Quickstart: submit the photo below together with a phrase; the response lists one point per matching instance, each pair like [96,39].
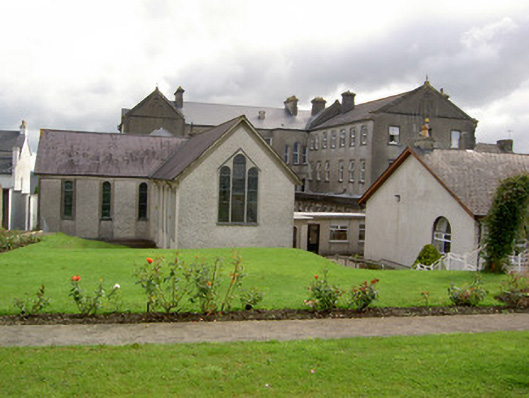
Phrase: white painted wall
[397,230]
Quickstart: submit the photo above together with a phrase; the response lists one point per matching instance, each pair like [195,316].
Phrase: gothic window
[142,201]
[238,192]
[67,199]
[352,136]
[106,200]
[442,235]
[342,138]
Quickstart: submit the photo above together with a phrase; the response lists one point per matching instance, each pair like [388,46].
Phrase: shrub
[428,255]
[515,291]
[87,304]
[468,295]
[250,298]
[33,305]
[323,296]
[165,283]
[364,294]
[10,240]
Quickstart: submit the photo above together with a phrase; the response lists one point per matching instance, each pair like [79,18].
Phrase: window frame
[338,233]
[327,171]
[295,153]
[64,196]
[452,139]
[363,135]
[286,155]
[362,177]
[324,141]
[340,171]
[393,135]
[352,137]
[361,232]
[341,141]
[106,201]
[318,171]
[143,201]
[442,239]
[351,171]
[333,139]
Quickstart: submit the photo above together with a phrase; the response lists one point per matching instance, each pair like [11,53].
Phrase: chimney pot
[179,97]
[291,105]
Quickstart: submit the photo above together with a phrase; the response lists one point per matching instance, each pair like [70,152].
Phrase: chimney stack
[23,128]
[505,145]
[348,101]
[179,97]
[261,115]
[291,105]
[318,104]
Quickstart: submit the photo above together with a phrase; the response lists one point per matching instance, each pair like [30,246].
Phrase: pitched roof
[102,154]
[9,139]
[186,154]
[471,177]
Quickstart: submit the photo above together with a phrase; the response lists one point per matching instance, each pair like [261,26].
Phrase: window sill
[143,219]
[105,219]
[393,143]
[237,224]
[338,241]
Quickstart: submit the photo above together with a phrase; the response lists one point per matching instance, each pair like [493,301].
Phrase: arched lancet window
[442,235]
[238,192]
[142,200]
[106,200]
[67,199]
[224,194]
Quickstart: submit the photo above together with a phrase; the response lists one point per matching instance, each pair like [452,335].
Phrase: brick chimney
[179,97]
[348,101]
[291,105]
[318,104]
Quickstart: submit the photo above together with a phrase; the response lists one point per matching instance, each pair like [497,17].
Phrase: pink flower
[312,371]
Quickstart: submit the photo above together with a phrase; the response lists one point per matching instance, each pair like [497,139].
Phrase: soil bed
[286,314]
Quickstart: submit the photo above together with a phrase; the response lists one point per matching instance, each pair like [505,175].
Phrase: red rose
[76,278]
[315,276]
[149,260]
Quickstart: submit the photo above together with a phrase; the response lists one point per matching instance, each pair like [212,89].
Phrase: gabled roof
[471,177]
[101,154]
[197,147]
[10,139]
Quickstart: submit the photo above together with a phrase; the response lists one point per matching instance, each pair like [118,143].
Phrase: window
[142,201]
[352,136]
[106,200]
[340,171]
[318,171]
[311,170]
[362,178]
[442,235]
[394,135]
[295,153]
[361,232]
[286,156]
[316,142]
[455,137]
[324,141]
[363,135]
[342,138]
[238,192]
[327,171]
[67,199]
[351,171]
[311,143]
[304,154]
[338,233]
[333,139]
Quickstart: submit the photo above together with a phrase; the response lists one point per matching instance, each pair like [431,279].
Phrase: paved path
[169,333]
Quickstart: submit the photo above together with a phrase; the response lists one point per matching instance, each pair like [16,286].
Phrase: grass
[283,274]
[465,365]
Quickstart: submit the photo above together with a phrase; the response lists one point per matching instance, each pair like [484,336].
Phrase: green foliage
[90,304]
[468,295]
[251,297]
[505,220]
[164,283]
[428,255]
[10,240]
[515,291]
[33,305]
[364,294]
[323,296]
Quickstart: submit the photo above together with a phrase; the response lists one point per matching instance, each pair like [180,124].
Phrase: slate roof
[102,154]
[186,154]
[8,140]
[471,177]
[474,176]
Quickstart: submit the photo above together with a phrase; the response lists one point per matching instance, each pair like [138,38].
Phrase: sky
[74,65]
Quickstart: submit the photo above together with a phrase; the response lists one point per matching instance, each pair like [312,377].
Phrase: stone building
[222,188]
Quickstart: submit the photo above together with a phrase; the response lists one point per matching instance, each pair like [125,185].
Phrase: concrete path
[170,333]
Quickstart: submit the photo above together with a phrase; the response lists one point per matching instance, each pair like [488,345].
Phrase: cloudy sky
[75,64]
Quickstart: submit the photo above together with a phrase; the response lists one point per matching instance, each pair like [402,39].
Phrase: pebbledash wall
[393,231]
[195,196]
[86,221]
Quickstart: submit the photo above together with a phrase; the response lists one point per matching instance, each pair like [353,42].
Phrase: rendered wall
[396,230]
[196,201]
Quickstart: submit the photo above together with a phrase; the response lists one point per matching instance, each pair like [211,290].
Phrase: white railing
[472,261]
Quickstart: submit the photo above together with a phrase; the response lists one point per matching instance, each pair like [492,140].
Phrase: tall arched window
[142,201]
[442,235]
[106,200]
[67,199]
[238,192]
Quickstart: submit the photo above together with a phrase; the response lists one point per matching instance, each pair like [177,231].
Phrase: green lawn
[283,274]
[469,365]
